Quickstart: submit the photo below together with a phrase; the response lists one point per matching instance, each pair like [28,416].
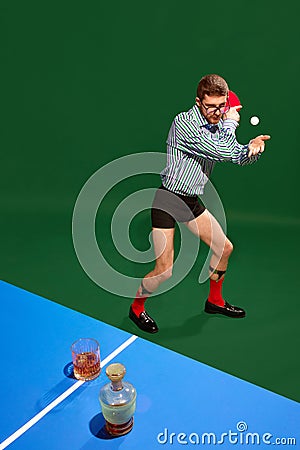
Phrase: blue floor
[180,402]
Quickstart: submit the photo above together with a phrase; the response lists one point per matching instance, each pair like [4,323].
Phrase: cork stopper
[115,373]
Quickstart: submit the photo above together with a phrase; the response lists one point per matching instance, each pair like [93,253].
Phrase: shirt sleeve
[189,137]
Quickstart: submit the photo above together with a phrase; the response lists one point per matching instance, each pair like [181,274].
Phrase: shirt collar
[201,119]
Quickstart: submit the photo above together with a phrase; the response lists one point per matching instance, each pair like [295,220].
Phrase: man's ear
[198,103]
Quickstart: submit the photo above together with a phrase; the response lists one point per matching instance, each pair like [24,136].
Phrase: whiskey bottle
[118,401]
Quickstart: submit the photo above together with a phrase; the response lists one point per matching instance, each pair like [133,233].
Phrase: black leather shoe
[144,321]
[226,310]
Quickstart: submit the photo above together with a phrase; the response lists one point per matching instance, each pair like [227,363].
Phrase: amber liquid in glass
[86,366]
[119,430]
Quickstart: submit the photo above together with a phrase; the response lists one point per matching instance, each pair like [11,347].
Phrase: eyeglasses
[213,109]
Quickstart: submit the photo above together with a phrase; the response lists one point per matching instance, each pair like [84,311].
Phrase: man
[197,140]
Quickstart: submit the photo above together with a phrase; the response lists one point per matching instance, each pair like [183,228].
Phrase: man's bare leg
[163,241]
[207,228]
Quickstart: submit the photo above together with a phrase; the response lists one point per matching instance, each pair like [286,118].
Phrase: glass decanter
[118,401]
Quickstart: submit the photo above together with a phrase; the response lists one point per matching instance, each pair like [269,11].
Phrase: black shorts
[168,207]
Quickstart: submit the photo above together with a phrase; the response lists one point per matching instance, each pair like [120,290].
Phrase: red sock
[215,293]
[138,303]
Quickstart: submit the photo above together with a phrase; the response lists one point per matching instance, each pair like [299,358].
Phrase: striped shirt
[193,150]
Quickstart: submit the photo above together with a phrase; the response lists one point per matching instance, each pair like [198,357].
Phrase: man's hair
[212,85]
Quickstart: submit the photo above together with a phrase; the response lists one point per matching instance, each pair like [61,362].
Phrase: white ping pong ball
[254,120]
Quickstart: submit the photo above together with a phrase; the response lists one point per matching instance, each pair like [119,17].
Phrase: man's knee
[164,272]
[228,248]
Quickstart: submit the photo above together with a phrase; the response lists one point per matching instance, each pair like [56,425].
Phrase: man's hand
[257,145]
[233,113]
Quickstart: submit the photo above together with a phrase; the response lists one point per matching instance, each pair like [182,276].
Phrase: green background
[85,83]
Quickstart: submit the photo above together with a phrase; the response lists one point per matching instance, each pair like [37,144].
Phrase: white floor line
[61,398]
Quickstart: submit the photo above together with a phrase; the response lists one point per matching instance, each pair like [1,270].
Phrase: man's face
[208,107]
